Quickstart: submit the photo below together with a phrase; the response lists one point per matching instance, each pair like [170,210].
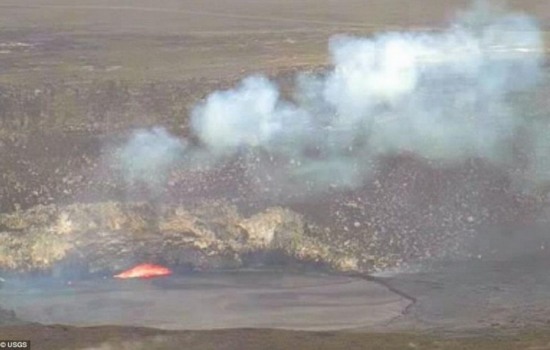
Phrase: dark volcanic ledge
[111,236]
[8,318]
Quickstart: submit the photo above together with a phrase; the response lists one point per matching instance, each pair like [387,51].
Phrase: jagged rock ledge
[8,318]
[111,236]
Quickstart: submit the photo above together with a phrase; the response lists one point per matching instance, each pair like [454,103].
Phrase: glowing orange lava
[145,271]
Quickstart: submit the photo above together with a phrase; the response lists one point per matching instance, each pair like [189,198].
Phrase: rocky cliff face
[110,236]
[408,214]
[8,318]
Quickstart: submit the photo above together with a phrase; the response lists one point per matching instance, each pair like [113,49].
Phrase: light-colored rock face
[275,226]
[352,232]
[110,235]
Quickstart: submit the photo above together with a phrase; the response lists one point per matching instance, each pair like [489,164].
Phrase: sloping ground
[374,228]
[8,318]
[111,236]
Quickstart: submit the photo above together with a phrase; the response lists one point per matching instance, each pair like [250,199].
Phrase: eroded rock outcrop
[8,318]
[109,236]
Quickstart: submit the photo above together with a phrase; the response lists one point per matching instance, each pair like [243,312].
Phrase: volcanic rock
[8,318]
[111,236]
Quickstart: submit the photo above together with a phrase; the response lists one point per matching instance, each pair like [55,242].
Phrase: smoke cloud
[445,96]
[149,155]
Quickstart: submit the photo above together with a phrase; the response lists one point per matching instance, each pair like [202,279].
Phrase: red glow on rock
[145,271]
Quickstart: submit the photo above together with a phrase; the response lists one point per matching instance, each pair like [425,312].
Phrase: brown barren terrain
[77,75]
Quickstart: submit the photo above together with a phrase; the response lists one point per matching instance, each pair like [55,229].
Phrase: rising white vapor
[444,96]
[148,156]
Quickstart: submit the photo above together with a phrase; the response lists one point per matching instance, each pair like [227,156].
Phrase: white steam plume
[444,96]
[148,156]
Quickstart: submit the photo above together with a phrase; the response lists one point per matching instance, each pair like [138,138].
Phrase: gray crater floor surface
[250,299]
[453,297]
[465,296]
